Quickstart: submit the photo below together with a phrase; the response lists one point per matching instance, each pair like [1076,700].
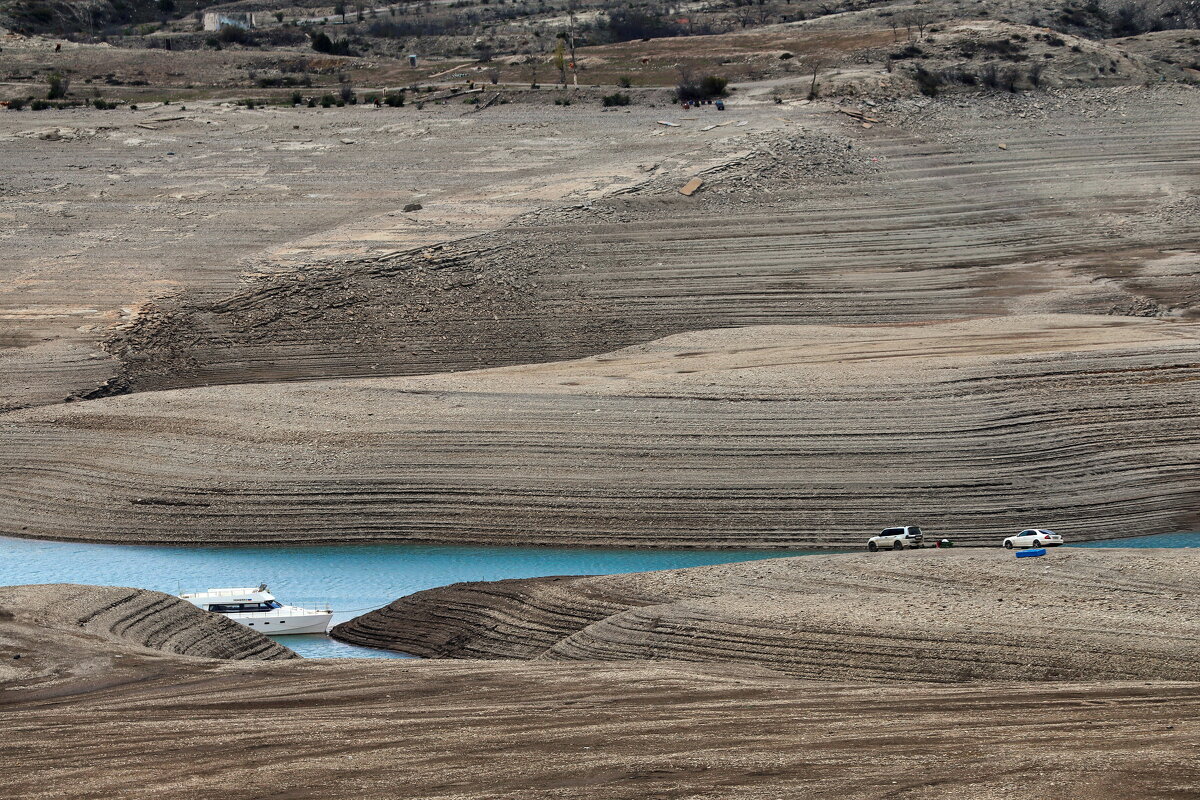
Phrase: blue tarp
[1040,551]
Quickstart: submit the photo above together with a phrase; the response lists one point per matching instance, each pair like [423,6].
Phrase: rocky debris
[778,161]
[947,616]
[1010,57]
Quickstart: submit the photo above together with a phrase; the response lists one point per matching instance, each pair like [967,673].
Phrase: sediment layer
[60,638]
[1088,208]
[941,615]
[478,731]
[753,437]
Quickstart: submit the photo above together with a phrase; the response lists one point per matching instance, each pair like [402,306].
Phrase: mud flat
[941,615]
[750,437]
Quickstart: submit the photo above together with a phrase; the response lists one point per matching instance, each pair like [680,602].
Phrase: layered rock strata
[754,437]
[944,615]
[64,638]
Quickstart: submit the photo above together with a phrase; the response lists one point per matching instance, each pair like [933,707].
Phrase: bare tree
[815,63]
[571,42]
[915,19]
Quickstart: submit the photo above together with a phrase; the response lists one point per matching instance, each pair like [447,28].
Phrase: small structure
[412,59]
[215,20]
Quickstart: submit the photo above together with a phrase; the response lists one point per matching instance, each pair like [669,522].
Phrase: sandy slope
[90,712]
[453,731]
[742,437]
[943,615]
[105,212]
[59,639]
[1089,208]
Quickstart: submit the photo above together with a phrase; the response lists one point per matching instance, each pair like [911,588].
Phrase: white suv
[1034,537]
[896,539]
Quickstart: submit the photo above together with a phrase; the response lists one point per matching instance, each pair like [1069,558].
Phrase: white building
[215,20]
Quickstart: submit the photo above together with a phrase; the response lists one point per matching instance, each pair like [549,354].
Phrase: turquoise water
[351,578]
[1158,540]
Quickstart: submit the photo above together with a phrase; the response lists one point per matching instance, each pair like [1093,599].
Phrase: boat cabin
[234,601]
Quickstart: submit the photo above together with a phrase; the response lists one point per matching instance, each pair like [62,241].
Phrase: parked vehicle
[909,536]
[1033,537]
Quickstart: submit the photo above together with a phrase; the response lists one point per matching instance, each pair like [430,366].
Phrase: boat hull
[284,626]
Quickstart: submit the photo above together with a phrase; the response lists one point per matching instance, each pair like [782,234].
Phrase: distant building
[215,20]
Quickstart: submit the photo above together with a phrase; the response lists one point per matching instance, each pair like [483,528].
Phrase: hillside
[776,436]
[944,616]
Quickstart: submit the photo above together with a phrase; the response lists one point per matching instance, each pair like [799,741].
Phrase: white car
[1034,537]
[896,539]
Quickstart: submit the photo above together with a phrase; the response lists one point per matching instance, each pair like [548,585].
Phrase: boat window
[234,608]
[275,604]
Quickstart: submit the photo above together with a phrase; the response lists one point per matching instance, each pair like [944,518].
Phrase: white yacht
[258,609]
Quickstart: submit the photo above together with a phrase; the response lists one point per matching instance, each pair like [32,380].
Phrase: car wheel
[872,546]
[1008,545]
[897,545]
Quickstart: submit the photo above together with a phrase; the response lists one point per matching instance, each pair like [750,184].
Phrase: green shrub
[394,99]
[706,88]
[323,44]
[928,82]
[327,100]
[16,104]
[58,87]
[624,81]
[616,99]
